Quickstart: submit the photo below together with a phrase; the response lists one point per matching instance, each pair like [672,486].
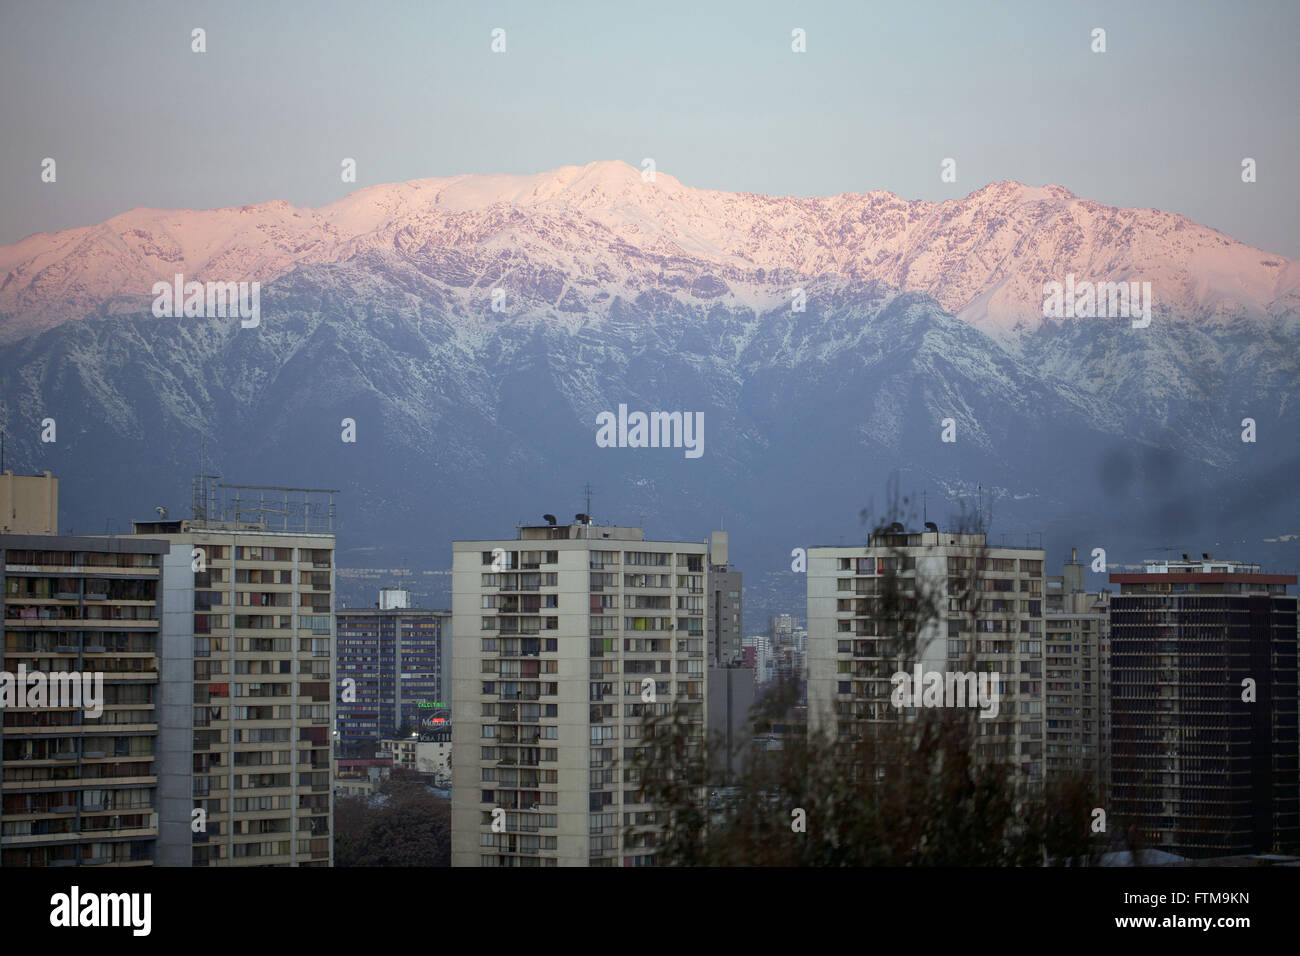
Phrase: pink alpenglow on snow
[602,227]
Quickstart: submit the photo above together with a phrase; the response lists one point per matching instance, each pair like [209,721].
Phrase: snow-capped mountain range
[607,230]
[378,308]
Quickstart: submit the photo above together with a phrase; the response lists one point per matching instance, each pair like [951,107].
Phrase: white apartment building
[248,693]
[557,637]
[763,664]
[1076,677]
[849,667]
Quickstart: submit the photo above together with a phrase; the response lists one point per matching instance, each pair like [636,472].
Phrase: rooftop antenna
[587,491]
[202,502]
[925,516]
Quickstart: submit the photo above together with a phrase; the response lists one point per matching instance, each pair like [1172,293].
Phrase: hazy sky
[711,91]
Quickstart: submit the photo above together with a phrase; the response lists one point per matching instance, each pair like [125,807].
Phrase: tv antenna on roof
[586,515]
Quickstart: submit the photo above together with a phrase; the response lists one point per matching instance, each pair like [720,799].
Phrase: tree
[403,825]
[897,789]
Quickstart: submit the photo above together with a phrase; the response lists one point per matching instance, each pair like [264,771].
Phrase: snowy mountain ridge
[606,232]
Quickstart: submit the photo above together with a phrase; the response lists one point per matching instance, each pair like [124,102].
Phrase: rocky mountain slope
[378,308]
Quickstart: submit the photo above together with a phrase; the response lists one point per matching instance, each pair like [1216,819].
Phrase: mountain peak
[604,225]
[1010,189]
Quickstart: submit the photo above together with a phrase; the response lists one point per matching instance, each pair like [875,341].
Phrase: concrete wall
[730,697]
[29,504]
[175,708]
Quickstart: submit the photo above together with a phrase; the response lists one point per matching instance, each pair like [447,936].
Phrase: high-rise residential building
[788,647]
[758,655]
[395,657]
[726,604]
[566,639]
[850,663]
[1077,658]
[248,682]
[1204,746]
[731,683]
[789,663]
[80,778]
[780,629]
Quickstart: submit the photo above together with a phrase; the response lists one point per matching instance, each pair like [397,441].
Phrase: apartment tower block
[565,640]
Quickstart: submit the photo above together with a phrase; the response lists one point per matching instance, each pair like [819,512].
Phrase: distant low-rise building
[361,778]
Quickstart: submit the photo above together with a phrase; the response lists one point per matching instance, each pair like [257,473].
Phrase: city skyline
[684,436]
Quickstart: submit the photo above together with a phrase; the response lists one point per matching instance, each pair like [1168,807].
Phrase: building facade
[758,655]
[396,658]
[79,779]
[1077,649]
[987,612]
[248,678]
[1205,754]
[726,606]
[566,640]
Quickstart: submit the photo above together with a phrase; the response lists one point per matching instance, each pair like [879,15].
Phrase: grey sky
[711,91]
